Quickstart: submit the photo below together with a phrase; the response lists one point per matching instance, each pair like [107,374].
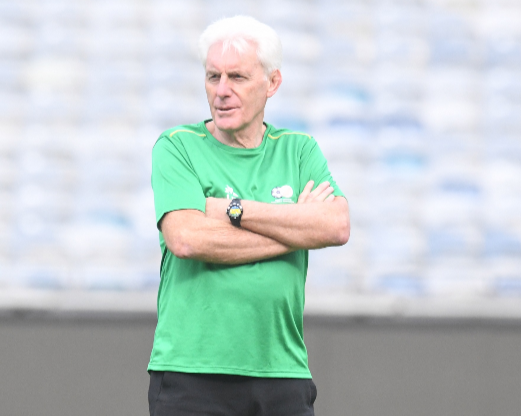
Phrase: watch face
[235,212]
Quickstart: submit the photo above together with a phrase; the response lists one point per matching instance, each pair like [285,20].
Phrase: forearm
[318,220]
[216,241]
[301,226]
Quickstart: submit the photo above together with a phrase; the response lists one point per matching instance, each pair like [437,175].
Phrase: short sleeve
[313,166]
[175,184]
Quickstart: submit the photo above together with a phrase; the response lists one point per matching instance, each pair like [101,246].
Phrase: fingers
[319,189]
[320,194]
[330,198]
[305,193]
[326,193]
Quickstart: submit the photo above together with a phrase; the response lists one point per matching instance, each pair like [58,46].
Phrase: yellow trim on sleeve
[282,134]
[186,131]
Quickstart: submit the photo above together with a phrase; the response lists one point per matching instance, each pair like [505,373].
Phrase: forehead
[230,59]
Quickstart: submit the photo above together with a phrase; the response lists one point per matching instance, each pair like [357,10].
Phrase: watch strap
[234,212]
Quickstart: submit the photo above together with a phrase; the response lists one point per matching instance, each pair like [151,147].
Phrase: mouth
[225,109]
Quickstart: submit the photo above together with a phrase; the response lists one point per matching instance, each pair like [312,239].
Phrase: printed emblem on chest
[229,192]
[282,195]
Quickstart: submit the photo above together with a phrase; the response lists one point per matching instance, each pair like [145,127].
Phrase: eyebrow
[230,74]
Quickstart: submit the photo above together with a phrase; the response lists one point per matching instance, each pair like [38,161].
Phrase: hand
[216,208]
[322,193]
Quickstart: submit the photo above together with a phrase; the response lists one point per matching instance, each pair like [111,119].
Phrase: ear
[274,81]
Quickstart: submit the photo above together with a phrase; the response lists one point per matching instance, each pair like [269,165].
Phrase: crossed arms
[318,220]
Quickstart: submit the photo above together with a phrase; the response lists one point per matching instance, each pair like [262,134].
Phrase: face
[237,87]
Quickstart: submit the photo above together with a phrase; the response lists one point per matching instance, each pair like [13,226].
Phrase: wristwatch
[234,212]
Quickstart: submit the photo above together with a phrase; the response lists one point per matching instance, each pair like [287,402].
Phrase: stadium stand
[415,104]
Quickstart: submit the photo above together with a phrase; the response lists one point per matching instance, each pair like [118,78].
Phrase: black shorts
[186,394]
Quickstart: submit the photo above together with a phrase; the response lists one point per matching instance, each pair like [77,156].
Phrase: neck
[248,137]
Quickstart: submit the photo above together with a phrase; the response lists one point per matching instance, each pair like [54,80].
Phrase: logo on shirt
[229,192]
[282,194]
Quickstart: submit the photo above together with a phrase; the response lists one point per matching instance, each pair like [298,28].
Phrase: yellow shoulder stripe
[282,134]
[186,131]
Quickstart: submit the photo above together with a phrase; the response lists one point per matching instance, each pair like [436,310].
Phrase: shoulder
[183,131]
[291,140]
[176,137]
[287,134]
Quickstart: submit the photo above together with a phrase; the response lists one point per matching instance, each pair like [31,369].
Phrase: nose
[223,89]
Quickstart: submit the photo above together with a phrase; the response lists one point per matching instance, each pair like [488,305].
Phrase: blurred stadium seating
[417,106]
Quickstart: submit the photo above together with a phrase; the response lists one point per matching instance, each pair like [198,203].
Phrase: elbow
[344,238]
[181,250]
[342,223]
[180,246]
[342,234]
[342,231]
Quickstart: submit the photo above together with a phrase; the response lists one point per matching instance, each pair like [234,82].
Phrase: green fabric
[246,319]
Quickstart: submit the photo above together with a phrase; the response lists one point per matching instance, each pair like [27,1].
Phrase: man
[237,209]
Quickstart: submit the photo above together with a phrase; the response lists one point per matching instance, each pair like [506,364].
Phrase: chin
[227,124]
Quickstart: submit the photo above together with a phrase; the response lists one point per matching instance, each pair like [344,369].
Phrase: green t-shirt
[238,319]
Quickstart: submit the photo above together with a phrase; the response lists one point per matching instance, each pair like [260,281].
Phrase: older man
[237,209]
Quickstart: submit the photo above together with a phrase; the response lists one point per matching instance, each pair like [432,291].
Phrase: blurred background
[415,103]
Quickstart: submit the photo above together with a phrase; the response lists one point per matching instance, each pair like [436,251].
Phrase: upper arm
[313,166]
[174,181]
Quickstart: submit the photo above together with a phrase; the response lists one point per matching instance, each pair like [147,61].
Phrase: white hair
[236,32]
